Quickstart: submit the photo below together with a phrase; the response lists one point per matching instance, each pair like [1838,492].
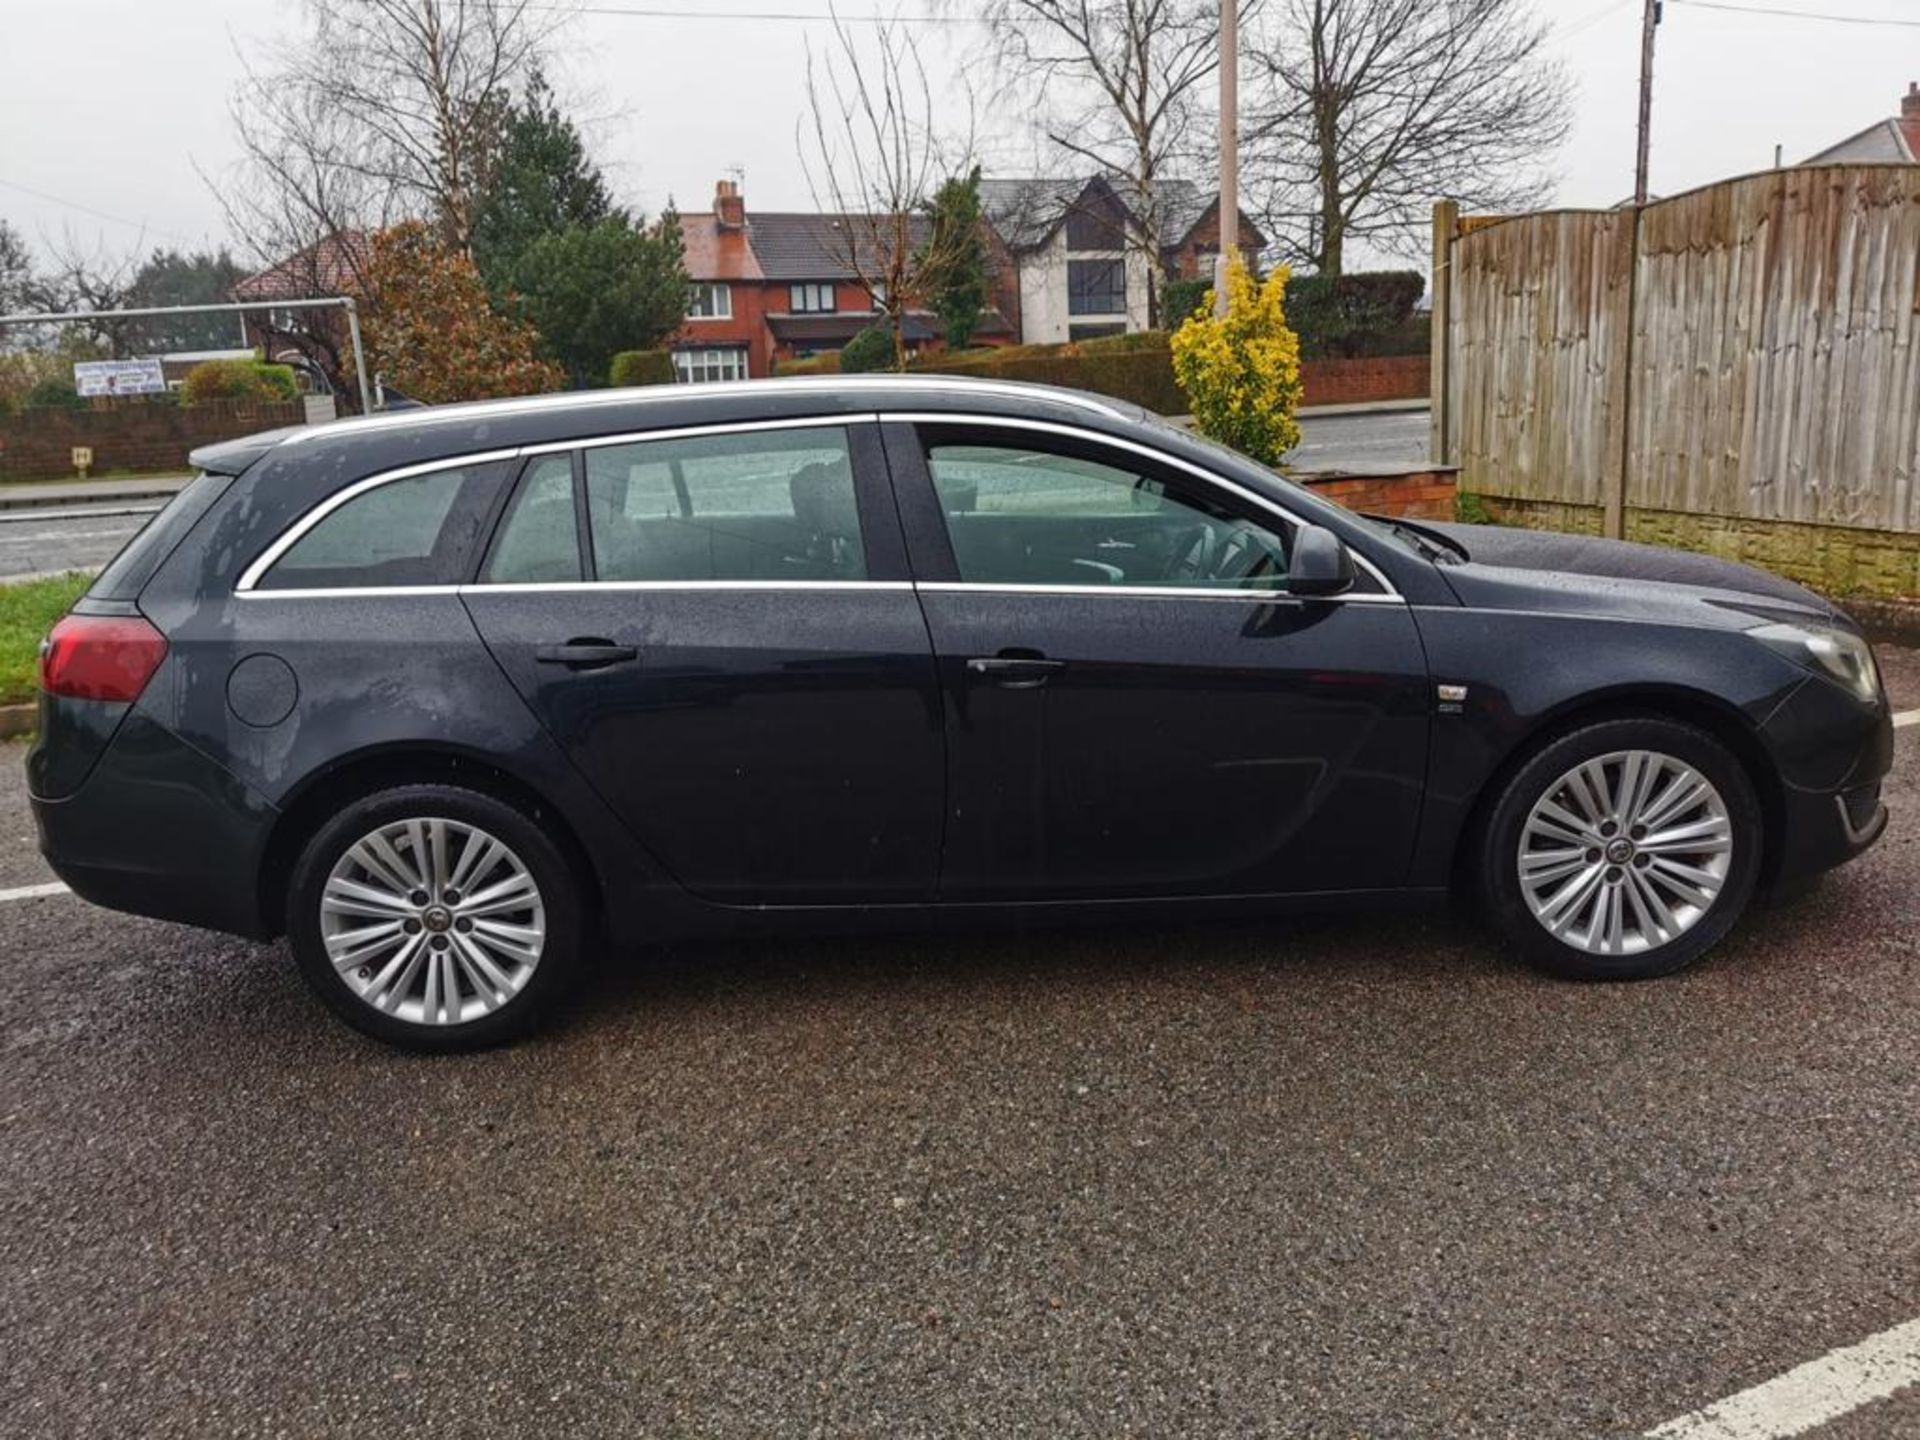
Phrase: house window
[695,366]
[709,301]
[811,299]
[1096,331]
[1096,287]
[878,293]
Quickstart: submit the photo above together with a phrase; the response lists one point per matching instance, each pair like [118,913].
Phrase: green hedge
[825,363]
[1347,316]
[1128,367]
[640,367]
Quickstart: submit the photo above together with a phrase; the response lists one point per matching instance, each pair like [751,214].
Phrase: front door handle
[585,654]
[1015,672]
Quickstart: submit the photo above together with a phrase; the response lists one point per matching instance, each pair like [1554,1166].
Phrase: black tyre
[435,918]
[1621,851]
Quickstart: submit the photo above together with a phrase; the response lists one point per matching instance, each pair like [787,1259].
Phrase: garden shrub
[1241,371]
[640,367]
[55,393]
[1180,298]
[248,380]
[870,350]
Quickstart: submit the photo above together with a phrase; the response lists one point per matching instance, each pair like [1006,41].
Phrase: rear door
[1136,707]
[719,629]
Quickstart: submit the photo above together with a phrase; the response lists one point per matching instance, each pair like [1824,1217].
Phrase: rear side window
[129,571]
[755,505]
[539,543]
[416,531]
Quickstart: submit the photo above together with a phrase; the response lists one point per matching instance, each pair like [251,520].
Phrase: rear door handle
[1015,672]
[585,654]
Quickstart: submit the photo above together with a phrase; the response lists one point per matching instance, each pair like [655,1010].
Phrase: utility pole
[1649,23]
[1229,151]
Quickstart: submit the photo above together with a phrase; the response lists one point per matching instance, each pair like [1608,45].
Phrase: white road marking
[1904,718]
[34,892]
[1809,1395]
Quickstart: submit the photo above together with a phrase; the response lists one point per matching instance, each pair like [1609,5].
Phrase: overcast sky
[108,106]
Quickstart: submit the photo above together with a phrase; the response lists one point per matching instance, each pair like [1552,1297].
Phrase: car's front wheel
[434,917]
[1623,850]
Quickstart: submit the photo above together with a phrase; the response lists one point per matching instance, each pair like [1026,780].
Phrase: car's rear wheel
[1623,850]
[434,917]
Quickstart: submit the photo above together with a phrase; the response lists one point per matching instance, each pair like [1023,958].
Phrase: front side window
[693,367]
[1096,287]
[1020,516]
[416,531]
[710,302]
[768,505]
[810,299]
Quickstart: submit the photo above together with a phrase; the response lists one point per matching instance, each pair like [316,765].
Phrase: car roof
[366,443]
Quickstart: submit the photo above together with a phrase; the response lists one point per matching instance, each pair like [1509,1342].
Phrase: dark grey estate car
[441,695]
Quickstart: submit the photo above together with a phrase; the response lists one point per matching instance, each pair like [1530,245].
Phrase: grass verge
[27,611]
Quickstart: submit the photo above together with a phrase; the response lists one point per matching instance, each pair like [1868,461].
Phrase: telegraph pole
[1649,23]
[1229,150]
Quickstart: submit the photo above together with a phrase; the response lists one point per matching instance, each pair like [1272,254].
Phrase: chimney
[1910,102]
[729,209]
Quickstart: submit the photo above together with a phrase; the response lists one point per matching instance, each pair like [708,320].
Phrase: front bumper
[159,829]
[1832,753]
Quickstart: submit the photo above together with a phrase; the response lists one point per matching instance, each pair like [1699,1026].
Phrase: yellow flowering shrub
[1241,372]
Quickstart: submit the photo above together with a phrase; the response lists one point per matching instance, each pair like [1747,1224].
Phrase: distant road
[86,537]
[1392,438]
[81,538]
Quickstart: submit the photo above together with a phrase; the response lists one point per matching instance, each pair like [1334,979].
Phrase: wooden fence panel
[1538,309]
[1770,333]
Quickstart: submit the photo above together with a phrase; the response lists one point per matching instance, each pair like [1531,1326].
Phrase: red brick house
[778,286]
[328,267]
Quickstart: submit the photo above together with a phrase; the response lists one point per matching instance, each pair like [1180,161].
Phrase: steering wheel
[1200,557]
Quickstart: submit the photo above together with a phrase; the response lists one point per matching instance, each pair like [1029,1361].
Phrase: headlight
[1840,654]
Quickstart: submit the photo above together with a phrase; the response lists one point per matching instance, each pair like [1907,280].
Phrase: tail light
[100,657]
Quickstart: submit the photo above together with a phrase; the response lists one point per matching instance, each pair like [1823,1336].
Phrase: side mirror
[1321,564]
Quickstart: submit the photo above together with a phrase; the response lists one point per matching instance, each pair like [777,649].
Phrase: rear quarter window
[421,530]
[128,572]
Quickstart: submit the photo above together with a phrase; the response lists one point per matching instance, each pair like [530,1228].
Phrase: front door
[1135,705]
[718,629]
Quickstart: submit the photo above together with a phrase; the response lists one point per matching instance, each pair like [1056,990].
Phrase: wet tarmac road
[1348,1178]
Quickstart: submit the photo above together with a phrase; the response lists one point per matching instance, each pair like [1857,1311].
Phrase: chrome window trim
[288,538]
[1052,427]
[250,577]
[1154,592]
[567,587]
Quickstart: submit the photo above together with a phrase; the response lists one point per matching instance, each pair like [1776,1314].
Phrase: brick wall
[1839,560]
[1357,382]
[35,444]
[1414,494]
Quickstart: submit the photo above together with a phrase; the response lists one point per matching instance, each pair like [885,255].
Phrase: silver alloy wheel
[1625,852]
[433,921]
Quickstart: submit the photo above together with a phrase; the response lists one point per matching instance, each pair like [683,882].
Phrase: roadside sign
[82,460]
[119,377]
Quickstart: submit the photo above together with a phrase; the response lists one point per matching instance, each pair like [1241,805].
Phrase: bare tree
[1373,109]
[874,162]
[1126,78]
[385,109]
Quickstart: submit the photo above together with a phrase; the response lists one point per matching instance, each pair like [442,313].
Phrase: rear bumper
[158,829]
